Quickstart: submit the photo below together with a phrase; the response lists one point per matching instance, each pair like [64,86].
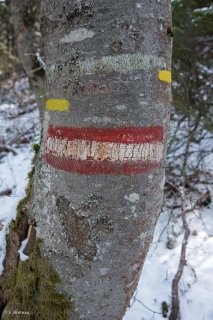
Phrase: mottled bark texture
[26,21]
[99,185]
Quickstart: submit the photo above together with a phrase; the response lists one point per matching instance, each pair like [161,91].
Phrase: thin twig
[147,307]
[26,73]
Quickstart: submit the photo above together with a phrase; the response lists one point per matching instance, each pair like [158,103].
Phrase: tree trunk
[99,183]
[25,17]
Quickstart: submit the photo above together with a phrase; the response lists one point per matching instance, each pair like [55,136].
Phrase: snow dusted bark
[99,184]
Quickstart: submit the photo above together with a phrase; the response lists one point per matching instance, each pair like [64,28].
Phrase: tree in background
[8,54]
[192,59]
[99,179]
[26,23]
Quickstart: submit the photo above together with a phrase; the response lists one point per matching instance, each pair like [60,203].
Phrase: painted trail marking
[57,105]
[129,150]
[165,75]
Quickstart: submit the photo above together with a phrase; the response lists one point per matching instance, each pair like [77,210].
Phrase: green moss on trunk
[31,289]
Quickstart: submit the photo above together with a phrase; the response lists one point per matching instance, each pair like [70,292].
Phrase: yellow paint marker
[165,75]
[57,105]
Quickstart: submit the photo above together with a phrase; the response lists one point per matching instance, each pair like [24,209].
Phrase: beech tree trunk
[99,184]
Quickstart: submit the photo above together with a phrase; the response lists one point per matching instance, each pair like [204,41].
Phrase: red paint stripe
[122,135]
[99,167]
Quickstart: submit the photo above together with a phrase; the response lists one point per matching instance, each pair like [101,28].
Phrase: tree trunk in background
[99,185]
[26,21]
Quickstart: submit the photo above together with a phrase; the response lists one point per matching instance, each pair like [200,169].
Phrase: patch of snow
[23,256]
[15,176]
[195,287]
[19,127]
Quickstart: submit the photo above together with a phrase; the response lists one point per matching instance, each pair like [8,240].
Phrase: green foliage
[36,148]
[192,59]
[165,309]
[31,288]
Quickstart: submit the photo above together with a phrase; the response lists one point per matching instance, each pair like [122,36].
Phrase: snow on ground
[196,294]
[14,172]
[20,130]
[195,287]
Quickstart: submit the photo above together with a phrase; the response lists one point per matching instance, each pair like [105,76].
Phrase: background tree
[26,23]
[192,60]
[8,55]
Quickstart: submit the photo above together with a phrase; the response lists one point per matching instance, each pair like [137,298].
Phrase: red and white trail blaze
[128,150]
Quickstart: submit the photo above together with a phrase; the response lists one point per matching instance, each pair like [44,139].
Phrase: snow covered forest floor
[183,239]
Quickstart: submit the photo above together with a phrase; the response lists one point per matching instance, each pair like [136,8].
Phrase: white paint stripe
[82,149]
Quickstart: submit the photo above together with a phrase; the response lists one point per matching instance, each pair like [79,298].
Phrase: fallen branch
[7,149]
[175,310]
[6,192]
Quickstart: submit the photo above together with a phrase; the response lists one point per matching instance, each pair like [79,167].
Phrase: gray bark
[104,58]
